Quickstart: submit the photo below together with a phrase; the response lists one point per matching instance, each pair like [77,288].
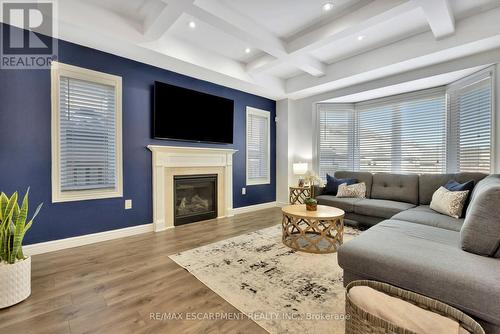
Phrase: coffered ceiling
[285,48]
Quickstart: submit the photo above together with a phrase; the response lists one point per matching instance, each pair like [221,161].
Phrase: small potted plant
[15,268]
[311,204]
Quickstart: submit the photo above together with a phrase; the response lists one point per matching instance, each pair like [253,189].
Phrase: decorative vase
[311,207]
[15,282]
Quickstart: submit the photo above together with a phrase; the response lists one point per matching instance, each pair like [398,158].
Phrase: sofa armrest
[318,190]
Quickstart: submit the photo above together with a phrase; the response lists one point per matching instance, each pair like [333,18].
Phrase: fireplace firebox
[195,198]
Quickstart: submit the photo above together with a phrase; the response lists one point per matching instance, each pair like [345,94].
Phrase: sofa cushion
[395,187]
[429,183]
[365,177]
[362,219]
[346,204]
[429,261]
[332,184]
[380,208]
[468,176]
[480,233]
[424,215]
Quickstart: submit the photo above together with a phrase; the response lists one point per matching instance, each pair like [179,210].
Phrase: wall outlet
[243,191]
[128,204]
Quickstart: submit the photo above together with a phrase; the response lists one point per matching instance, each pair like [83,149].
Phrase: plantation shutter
[336,138]
[257,146]
[470,123]
[403,133]
[87,135]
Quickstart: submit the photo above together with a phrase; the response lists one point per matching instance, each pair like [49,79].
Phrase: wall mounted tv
[185,114]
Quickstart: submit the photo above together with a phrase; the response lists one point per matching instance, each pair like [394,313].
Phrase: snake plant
[13,226]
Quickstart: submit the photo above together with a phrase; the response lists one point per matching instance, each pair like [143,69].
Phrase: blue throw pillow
[332,184]
[453,185]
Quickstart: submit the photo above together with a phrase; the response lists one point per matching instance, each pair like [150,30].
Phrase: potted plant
[15,268]
[311,204]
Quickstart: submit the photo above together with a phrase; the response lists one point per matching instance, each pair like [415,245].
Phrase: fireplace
[195,198]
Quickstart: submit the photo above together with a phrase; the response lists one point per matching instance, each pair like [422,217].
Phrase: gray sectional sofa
[411,246]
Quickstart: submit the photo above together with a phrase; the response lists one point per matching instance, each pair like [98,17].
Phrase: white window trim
[58,70]
[267,115]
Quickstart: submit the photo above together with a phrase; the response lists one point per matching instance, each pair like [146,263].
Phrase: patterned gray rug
[281,290]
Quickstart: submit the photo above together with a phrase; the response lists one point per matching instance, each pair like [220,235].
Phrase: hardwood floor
[115,286]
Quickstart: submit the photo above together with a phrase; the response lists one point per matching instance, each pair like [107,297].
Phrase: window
[336,138]
[258,149]
[86,134]
[470,107]
[445,129]
[404,133]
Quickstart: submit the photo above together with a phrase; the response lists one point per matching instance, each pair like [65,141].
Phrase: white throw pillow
[357,190]
[450,203]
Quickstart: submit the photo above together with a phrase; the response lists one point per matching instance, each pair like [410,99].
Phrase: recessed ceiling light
[192,24]
[328,6]
[247,50]
[361,37]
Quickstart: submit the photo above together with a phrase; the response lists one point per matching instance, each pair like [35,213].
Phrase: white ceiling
[285,18]
[296,48]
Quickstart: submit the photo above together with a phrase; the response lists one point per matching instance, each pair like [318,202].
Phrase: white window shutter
[336,138]
[87,135]
[470,115]
[258,155]
[403,133]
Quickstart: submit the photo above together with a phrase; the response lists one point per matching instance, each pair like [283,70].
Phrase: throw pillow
[453,185]
[357,190]
[332,184]
[450,203]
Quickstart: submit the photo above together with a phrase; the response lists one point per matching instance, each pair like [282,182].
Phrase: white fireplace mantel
[169,161]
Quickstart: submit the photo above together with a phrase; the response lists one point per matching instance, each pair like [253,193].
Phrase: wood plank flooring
[114,286]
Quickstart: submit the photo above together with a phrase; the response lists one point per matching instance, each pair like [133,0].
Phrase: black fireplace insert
[195,198]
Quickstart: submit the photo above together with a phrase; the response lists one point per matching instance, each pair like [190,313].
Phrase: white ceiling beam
[233,23]
[308,64]
[475,34]
[440,17]
[374,13]
[157,25]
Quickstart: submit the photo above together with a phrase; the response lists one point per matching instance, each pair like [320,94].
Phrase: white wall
[282,160]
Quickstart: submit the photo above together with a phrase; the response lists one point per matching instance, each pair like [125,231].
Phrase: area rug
[282,290]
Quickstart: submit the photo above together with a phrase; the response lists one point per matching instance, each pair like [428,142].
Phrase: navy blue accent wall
[25,144]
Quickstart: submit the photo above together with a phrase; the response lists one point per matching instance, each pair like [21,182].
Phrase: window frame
[450,164]
[57,70]
[267,115]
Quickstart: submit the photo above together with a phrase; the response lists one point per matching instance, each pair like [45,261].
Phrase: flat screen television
[185,114]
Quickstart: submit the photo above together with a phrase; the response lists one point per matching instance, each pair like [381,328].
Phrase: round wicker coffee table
[318,231]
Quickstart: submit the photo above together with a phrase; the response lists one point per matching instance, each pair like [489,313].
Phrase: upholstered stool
[374,307]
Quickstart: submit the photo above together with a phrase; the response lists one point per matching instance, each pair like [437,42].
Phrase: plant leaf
[4,200]
[18,232]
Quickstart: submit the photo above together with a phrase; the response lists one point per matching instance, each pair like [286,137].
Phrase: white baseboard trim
[282,204]
[251,208]
[55,245]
